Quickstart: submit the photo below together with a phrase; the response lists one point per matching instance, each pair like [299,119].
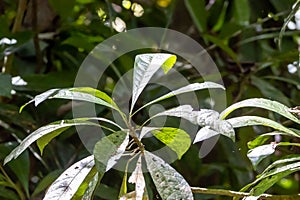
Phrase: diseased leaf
[176,139]
[137,177]
[189,88]
[261,103]
[87,186]
[204,134]
[81,94]
[44,130]
[109,149]
[145,65]
[259,153]
[209,119]
[238,122]
[169,183]
[70,180]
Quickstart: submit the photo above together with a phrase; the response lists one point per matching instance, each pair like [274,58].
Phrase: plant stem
[236,194]
[12,184]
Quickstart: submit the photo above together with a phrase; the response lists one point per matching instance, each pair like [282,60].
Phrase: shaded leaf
[70,180]
[44,130]
[261,103]
[5,85]
[198,13]
[189,88]
[137,177]
[241,12]
[259,153]
[145,65]
[169,183]
[46,182]
[238,122]
[109,149]
[270,91]
[176,139]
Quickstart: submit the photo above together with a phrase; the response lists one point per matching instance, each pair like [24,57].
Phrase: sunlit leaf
[204,134]
[44,130]
[238,122]
[81,94]
[261,103]
[257,154]
[109,149]
[176,139]
[169,183]
[262,139]
[70,180]
[189,88]
[145,66]
[138,179]
[87,186]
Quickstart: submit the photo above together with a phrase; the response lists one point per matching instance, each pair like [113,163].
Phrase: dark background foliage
[53,38]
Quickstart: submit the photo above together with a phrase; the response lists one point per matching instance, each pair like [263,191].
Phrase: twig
[230,193]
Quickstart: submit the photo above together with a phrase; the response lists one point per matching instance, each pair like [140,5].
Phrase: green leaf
[169,183]
[238,122]
[176,139]
[109,149]
[261,103]
[261,139]
[87,186]
[257,154]
[189,88]
[46,182]
[145,65]
[198,13]
[241,12]
[44,130]
[207,118]
[221,18]
[92,186]
[269,90]
[82,94]
[5,85]
[70,180]
[8,194]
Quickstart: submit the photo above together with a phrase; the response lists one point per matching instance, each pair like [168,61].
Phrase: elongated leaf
[56,126]
[109,149]
[261,139]
[241,12]
[189,88]
[90,190]
[204,134]
[87,186]
[176,139]
[269,90]
[257,154]
[283,161]
[238,122]
[46,182]
[44,140]
[137,177]
[198,13]
[209,119]
[261,103]
[145,66]
[169,183]
[68,183]
[80,94]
